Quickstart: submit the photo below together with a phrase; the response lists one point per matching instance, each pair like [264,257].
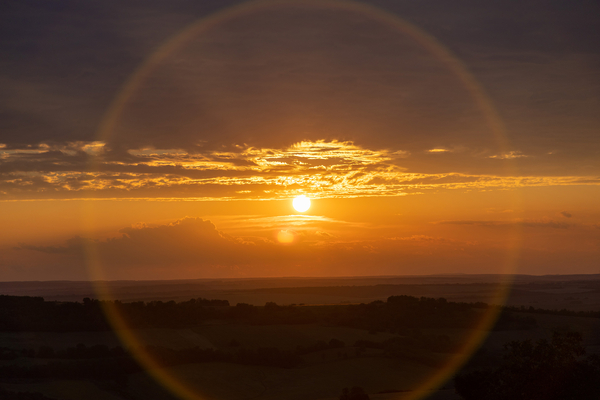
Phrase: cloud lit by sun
[325,169]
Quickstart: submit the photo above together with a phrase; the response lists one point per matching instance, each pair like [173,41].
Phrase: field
[285,337]
[325,374]
[324,371]
[321,381]
[172,338]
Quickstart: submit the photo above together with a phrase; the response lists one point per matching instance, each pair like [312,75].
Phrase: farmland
[299,351]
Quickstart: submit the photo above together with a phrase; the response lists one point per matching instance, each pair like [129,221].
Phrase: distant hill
[575,292]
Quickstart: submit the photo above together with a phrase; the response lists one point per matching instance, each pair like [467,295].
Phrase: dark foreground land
[383,335]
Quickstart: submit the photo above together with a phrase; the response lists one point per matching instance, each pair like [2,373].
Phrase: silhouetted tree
[7,395]
[546,370]
[355,393]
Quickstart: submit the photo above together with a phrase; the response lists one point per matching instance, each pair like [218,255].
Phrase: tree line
[555,369]
[398,314]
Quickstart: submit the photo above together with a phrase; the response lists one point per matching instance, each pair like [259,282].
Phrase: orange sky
[425,148]
[554,230]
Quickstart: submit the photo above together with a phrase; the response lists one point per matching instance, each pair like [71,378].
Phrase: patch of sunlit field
[63,390]
[284,337]
[326,380]
[259,299]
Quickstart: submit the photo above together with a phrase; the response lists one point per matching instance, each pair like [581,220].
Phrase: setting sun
[301,203]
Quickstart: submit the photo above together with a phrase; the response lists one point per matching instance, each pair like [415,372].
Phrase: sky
[167,139]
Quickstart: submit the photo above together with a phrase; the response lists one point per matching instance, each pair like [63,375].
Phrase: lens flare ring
[180,387]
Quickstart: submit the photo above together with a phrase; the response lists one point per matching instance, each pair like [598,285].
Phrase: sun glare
[301,203]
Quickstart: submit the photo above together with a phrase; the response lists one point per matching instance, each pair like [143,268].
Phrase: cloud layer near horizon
[193,248]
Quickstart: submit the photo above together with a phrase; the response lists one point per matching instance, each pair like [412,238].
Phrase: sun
[301,203]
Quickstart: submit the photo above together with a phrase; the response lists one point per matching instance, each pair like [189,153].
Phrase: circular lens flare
[301,203]
[286,236]
[122,103]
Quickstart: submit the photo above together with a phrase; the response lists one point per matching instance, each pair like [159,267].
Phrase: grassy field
[173,338]
[325,380]
[322,376]
[282,336]
[64,390]
[546,324]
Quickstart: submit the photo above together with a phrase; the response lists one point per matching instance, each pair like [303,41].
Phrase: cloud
[545,224]
[280,100]
[188,239]
[320,169]
[509,155]
[566,214]
[193,247]
[196,248]
[73,246]
[530,223]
